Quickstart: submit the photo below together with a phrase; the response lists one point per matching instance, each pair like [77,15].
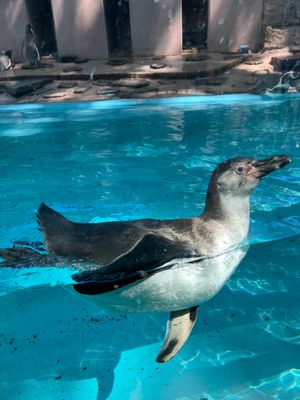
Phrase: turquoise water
[117,160]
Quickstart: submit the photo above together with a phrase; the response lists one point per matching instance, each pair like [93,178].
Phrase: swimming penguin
[6,60]
[31,51]
[156,265]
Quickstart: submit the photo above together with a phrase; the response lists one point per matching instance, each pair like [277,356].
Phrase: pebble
[54,95]
[104,91]
[82,89]
[80,60]
[157,65]
[145,89]
[66,85]
[101,83]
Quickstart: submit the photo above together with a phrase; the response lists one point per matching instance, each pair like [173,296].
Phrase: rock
[289,63]
[54,95]
[118,61]
[166,82]
[253,62]
[20,88]
[68,59]
[66,85]
[82,89]
[101,83]
[157,65]
[72,69]
[131,83]
[80,60]
[145,89]
[108,90]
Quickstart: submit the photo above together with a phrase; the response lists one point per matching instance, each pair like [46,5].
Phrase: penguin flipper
[145,258]
[179,327]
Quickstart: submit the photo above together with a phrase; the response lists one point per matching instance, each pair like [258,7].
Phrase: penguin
[156,265]
[6,60]
[31,51]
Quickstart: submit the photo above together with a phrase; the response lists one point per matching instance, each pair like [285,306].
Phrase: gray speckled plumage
[5,60]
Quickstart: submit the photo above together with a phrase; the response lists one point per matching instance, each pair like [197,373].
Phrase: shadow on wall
[13,20]
[236,24]
[156,27]
[80,28]
[41,18]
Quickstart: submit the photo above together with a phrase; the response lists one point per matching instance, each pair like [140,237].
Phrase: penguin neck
[231,210]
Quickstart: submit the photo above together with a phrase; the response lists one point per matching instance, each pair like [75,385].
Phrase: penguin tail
[57,229]
[49,220]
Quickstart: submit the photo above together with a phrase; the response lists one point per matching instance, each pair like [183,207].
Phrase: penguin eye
[240,170]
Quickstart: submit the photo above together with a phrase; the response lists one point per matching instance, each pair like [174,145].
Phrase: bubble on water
[297,145]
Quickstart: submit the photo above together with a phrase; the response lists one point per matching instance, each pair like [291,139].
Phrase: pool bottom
[245,344]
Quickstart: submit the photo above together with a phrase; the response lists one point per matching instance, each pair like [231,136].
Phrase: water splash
[283,87]
[92,73]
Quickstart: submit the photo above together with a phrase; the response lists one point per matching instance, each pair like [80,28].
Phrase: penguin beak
[260,168]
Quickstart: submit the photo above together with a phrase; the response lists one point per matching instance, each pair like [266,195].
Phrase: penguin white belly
[184,285]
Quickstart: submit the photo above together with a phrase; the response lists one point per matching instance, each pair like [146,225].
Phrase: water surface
[119,160]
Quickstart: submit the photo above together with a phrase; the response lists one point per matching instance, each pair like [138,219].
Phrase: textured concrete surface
[253,75]
[176,67]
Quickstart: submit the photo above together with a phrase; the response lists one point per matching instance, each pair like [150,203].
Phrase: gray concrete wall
[13,20]
[80,28]
[156,27]
[232,23]
[282,24]
[281,13]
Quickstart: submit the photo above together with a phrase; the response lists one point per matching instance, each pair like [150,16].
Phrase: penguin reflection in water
[156,265]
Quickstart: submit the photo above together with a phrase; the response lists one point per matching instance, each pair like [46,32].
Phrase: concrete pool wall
[156,28]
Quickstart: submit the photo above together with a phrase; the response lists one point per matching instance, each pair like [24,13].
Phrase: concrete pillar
[80,28]
[232,23]
[13,21]
[156,27]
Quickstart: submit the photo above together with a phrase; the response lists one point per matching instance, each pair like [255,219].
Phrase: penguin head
[239,176]
[8,53]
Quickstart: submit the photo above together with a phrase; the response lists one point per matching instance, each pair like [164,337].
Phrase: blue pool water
[120,160]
